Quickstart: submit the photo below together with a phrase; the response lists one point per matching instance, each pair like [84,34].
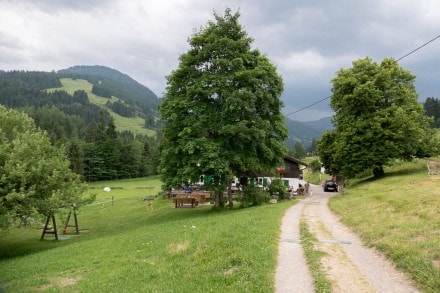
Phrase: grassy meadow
[400,216]
[127,246]
[134,124]
[130,247]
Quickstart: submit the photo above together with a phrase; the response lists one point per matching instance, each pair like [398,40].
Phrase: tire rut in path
[339,269]
[350,265]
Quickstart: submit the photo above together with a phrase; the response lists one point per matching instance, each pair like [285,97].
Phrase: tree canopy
[377,118]
[34,175]
[432,108]
[222,107]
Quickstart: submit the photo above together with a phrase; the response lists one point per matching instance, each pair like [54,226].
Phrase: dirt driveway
[349,265]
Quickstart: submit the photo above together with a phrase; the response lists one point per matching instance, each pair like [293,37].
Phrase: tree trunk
[378,171]
[219,199]
[244,183]
[229,194]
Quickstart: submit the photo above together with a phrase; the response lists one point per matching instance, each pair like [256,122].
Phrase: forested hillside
[432,108]
[132,96]
[305,133]
[85,108]
[97,149]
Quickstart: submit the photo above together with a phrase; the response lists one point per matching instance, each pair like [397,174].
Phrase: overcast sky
[307,40]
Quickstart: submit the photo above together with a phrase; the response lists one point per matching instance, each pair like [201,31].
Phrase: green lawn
[134,124]
[400,215]
[126,247]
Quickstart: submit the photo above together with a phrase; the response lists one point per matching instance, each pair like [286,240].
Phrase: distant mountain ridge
[132,98]
[306,132]
[115,84]
[82,92]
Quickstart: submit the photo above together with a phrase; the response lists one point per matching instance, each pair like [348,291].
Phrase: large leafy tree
[34,175]
[377,118]
[222,108]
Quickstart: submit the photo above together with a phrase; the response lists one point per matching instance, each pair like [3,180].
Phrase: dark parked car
[330,185]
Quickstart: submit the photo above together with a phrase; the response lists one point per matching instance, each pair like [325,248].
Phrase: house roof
[291,159]
[286,158]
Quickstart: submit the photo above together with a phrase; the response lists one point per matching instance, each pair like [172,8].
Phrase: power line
[404,56]
[413,51]
[308,106]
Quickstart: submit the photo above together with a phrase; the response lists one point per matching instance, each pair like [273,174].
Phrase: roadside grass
[399,214]
[134,124]
[128,247]
[321,283]
[313,177]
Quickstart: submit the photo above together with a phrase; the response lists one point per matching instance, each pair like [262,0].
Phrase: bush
[315,165]
[253,197]
[277,188]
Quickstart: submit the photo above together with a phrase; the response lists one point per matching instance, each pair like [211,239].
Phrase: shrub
[277,188]
[253,197]
[315,165]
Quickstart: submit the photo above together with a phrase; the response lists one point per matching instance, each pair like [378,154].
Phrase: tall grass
[400,215]
[129,247]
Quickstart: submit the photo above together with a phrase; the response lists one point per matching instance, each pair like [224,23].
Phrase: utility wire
[404,56]
[309,106]
[413,51]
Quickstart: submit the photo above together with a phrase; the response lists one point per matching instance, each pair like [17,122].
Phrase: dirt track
[350,266]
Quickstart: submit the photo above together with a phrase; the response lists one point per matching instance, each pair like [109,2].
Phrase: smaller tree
[326,147]
[297,151]
[35,177]
[315,166]
[313,148]
[377,119]
[432,109]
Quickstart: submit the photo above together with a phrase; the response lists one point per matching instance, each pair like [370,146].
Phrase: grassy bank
[400,215]
[128,247]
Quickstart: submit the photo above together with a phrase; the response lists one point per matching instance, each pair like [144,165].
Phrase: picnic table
[200,196]
[181,201]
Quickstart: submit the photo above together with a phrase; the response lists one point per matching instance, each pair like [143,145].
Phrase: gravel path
[350,266]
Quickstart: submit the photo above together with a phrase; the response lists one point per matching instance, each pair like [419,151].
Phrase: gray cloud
[307,40]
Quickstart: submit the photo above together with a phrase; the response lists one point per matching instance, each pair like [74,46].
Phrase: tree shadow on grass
[395,173]
[29,241]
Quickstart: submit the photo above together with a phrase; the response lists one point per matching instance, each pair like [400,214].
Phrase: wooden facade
[291,168]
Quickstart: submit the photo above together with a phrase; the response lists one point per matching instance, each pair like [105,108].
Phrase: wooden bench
[200,196]
[177,193]
[180,201]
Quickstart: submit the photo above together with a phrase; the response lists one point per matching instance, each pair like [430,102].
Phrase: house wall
[291,169]
[291,175]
